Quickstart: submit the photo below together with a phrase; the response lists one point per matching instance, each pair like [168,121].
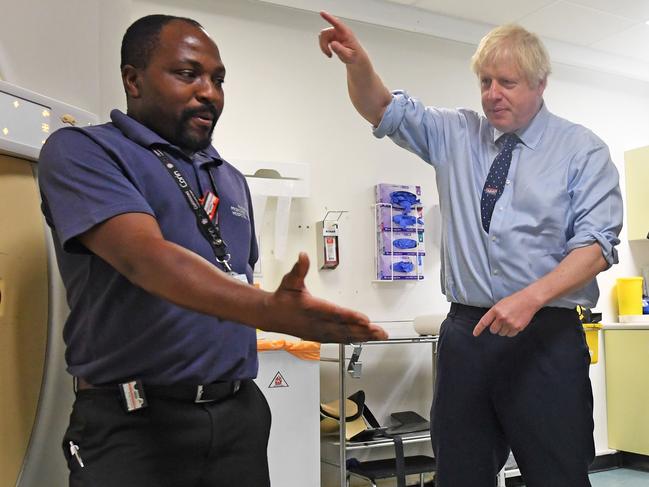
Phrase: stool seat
[381,469]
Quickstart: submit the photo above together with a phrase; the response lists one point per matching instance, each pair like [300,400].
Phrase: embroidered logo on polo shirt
[240,211]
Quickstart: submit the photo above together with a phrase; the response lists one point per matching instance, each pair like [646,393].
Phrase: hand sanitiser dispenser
[327,244]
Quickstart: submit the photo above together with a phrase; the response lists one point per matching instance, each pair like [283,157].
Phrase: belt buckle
[234,387]
[199,395]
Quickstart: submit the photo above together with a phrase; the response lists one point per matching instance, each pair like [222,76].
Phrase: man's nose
[207,91]
[494,91]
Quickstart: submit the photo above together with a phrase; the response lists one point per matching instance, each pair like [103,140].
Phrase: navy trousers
[170,443]
[530,393]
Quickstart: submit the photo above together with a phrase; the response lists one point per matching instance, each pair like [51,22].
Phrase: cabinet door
[627,389]
[636,168]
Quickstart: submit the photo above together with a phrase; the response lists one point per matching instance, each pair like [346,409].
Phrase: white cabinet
[291,386]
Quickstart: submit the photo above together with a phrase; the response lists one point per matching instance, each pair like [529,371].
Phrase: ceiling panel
[576,32]
[493,12]
[633,43]
[573,23]
[637,10]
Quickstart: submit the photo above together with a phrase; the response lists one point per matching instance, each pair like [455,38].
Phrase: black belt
[476,312]
[216,391]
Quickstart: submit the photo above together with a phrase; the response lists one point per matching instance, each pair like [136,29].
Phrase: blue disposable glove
[404,266]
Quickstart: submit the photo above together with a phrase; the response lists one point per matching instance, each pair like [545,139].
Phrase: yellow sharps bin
[592,340]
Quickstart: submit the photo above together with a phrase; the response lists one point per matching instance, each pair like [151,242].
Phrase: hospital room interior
[321,183]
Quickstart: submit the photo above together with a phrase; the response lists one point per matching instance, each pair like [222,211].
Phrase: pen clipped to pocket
[74,452]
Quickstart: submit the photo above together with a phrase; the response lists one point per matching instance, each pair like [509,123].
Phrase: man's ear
[542,85]
[131,81]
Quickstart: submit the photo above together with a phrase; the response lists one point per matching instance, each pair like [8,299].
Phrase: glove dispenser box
[399,246]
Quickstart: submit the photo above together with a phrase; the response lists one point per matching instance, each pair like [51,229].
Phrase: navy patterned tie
[495,183]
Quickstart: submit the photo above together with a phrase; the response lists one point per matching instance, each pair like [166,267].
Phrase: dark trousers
[170,443]
[530,393]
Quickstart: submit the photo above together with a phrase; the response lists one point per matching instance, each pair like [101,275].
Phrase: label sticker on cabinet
[278,381]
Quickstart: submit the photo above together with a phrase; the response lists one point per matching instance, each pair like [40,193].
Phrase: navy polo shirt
[116,330]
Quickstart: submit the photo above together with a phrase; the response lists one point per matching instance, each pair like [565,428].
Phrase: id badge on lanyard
[205,210]
[239,277]
[210,204]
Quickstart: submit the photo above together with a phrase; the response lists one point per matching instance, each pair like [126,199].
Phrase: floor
[620,477]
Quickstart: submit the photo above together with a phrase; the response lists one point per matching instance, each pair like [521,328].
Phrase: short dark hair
[142,37]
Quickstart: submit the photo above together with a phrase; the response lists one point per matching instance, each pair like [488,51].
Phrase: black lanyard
[208,228]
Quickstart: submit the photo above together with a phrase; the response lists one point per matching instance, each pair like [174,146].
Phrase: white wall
[39,37]
[67,50]
[287,102]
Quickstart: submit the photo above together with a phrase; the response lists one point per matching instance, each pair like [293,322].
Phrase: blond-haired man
[531,210]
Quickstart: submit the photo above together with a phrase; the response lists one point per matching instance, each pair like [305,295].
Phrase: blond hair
[512,43]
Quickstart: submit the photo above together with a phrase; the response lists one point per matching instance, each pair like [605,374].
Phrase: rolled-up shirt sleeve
[596,200]
[393,115]
[434,134]
[412,125]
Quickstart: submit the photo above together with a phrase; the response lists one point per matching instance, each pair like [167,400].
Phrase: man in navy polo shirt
[154,237]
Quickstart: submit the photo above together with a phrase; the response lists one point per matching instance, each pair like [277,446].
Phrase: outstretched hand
[340,39]
[293,310]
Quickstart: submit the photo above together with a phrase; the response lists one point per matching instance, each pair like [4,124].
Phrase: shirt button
[496,272]
[508,182]
[500,208]
[494,239]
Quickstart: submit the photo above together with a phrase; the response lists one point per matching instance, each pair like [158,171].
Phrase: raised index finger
[334,21]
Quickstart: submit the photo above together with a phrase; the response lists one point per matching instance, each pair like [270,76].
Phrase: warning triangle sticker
[278,381]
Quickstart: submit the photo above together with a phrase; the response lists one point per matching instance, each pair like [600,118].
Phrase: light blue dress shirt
[562,193]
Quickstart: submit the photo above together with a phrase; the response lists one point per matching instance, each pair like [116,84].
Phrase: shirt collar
[531,134]
[146,137]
